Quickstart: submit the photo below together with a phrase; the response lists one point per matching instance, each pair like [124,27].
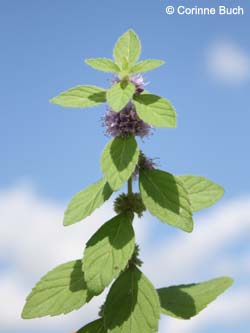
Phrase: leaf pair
[132,304]
[152,109]
[173,199]
[126,52]
[118,162]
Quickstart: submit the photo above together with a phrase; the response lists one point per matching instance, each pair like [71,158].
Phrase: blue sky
[56,151]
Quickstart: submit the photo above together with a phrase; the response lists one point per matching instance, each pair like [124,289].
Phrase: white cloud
[213,249]
[33,240]
[228,62]
[189,254]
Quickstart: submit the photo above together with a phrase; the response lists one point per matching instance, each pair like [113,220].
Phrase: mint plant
[111,255]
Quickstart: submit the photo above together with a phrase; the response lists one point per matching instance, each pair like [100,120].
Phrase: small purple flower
[137,80]
[143,163]
[125,122]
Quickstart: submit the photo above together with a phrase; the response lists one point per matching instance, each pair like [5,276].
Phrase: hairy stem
[130,187]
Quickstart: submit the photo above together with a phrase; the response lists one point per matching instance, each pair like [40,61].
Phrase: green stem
[130,187]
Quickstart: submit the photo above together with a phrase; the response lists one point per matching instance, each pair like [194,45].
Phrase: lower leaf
[166,198]
[202,191]
[132,305]
[108,251]
[86,201]
[60,291]
[186,301]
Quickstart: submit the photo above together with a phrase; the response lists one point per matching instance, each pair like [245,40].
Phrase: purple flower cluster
[125,122]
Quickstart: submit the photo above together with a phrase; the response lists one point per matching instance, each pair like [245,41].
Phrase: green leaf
[81,97]
[186,301]
[155,110]
[202,192]
[103,64]
[60,291]
[166,198]
[119,159]
[132,305]
[120,94]
[93,327]
[146,65]
[108,251]
[86,201]
[127,49]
